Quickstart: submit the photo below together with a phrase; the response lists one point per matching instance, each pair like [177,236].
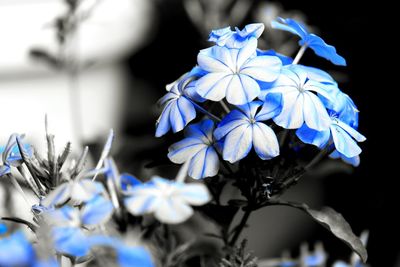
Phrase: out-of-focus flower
[238,38]
[299,103]
[311,40]
[16,250]
[178,109]
[78,190]
[68,236]
[169,201]
[198,147]
[243,130]
[233,73]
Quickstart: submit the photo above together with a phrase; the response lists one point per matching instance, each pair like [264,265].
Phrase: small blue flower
[15,250]
[299,103]
[238,38]
[81,190]
[198,148]
[243,130]
[178,107]
[233,73]
[170,201]
[311,40]
[342,135]
[71,241]
[11,156]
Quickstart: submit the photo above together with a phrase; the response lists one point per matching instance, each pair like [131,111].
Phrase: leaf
[338,226]
[238,202]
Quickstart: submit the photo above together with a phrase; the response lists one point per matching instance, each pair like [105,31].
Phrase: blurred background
[124,53]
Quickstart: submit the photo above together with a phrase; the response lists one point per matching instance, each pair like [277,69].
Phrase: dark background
[367,198]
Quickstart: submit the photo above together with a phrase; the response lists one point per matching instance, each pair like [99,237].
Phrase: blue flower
[299,103]
[311,40]
[169,200]
[67,234]
[11,156]
[233,73]
[198,148]
[343,136]
[81,190]
[16,250]
[178,109]
[238,38]
[243,130]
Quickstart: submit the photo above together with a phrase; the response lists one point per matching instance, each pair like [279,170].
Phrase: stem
[224,106]
[300,54]
[205,112]
[19,189]
[241,226]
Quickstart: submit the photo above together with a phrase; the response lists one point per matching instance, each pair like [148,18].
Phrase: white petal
[173,210]
[210,59]
[344,143]
[263,68]
[264,141]
[185,149]
[213,86]
[238,143]
[315,115]
[246,52]
[204,164]
[291,116]
[242,89]
[194,194]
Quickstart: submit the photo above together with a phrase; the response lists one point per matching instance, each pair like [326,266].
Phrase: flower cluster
[263,94]
[76,209]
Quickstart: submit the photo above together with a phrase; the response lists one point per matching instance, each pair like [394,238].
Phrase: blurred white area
[29,89]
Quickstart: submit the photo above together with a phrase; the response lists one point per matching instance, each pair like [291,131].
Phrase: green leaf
[337,225]
[331,220]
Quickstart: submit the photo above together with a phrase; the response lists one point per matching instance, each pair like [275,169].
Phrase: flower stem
[240,226]
[224,106]
[205,112]
[20,190]
[300,54]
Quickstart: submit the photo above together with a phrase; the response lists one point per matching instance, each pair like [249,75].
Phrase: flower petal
[242,89]
[163,123]
[246,52]
[215,59]
[204,164]
[315,115]
[314,137]
[263,68]
[265,142]
[271,107]
[195,194]
[351,131]
[173,211]
[238,143]
[185,149]
[182,112]
[232,120]
[344,144]
[291,116]
[213,86]
[97,211]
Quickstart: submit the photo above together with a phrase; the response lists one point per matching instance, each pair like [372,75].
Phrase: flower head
[169,201]
[198,147]
[343,136]
[238,38]
[178,107]
[233,73]
[299,102]
[16,250]
[311,40]
[243,129]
